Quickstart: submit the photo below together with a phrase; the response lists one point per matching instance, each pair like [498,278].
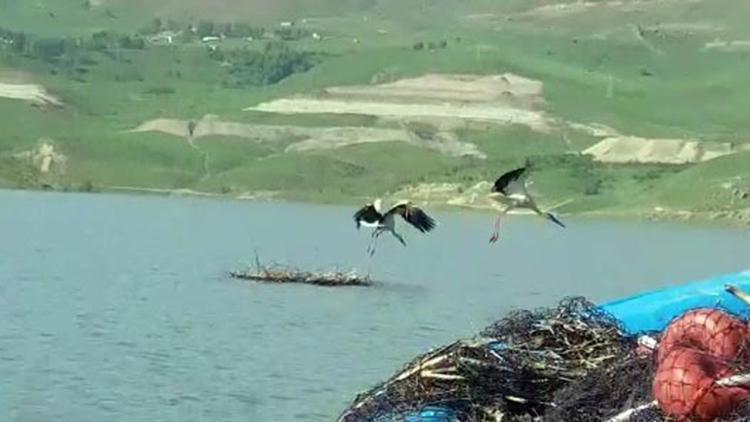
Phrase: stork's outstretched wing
[512,182]
[414,216]
[367,215]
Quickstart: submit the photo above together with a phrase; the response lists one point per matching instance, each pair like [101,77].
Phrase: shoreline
[723,219]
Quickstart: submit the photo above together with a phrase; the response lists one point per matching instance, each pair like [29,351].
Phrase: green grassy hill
[666,69]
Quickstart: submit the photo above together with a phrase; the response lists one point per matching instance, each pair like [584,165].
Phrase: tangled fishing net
[512,370]
[574,362]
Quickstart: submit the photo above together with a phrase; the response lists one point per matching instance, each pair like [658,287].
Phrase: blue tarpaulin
[653,311]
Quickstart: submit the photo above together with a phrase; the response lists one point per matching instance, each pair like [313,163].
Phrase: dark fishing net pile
[607,390]
[571,362]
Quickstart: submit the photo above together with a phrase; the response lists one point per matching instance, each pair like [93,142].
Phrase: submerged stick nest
[282,274]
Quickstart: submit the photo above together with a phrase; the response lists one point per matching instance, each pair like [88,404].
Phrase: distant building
[210,38]
[164,37]
[286,24]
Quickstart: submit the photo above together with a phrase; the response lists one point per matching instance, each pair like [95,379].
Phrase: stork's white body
[514,201]
[388,224]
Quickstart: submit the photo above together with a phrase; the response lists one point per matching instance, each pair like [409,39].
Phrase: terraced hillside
[620,106]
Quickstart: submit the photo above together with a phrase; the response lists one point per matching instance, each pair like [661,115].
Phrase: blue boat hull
[653,311]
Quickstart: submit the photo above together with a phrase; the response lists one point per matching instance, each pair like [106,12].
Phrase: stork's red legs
[496,232]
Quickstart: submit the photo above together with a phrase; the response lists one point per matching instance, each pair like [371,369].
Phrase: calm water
[116,308]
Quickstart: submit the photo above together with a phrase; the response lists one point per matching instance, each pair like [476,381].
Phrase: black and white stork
[510,191]
[371,215]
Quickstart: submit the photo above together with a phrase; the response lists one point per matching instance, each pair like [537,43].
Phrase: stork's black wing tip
[418,219]
[426,223]
[555,220]
[430,224]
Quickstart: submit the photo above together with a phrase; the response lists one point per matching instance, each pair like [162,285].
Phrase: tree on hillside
[19,41]
[173,25]
[101,40]
[291,34]
[243,30]
[225,29]
[134,43]
[49,48]
[153,27]
[276,62]
[205,29]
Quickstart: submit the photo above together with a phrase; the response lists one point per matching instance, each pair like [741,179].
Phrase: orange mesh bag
[685,386]
[710,330]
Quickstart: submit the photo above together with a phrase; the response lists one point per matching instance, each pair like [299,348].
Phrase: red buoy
[685,386]
[710,330]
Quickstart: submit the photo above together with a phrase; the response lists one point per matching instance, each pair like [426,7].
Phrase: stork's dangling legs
[371,246]
[496,231]
[375,235]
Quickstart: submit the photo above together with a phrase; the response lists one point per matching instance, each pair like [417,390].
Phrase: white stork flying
[510,191]
[371,216]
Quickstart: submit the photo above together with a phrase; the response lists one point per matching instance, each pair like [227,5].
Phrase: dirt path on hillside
[33,93]
[300,138]
[632,149]
[498,99]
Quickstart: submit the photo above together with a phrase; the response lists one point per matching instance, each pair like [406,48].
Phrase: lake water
[117,308]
